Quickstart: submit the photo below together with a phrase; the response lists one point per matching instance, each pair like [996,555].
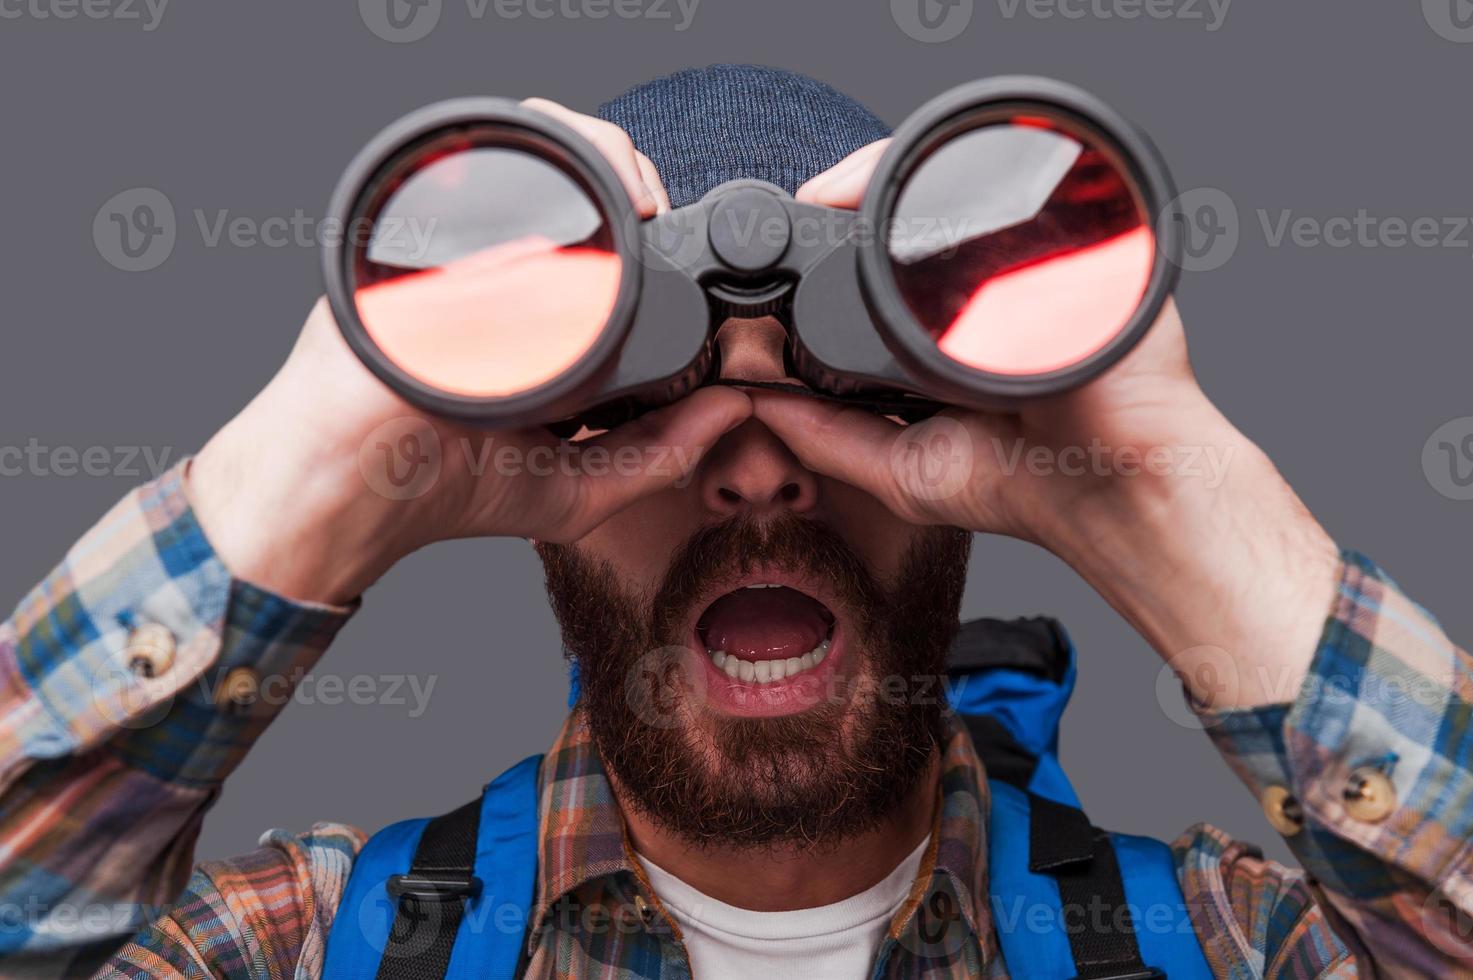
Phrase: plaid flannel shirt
[106,771]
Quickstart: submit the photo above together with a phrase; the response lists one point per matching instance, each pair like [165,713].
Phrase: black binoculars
[1014,242]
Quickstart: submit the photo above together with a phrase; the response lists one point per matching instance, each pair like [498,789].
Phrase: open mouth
[766,633]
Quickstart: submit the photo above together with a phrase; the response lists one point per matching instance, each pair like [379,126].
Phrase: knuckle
[544,105]
[612,130]
[613,142]
[563,516]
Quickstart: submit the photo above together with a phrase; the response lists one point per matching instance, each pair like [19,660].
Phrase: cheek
[877,536]
[639,540]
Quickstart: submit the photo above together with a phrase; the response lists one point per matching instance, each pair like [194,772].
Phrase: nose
[751,470]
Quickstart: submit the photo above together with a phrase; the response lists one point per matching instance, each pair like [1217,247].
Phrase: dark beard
[833,771]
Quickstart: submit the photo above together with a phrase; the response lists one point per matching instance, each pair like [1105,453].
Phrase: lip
[790,695]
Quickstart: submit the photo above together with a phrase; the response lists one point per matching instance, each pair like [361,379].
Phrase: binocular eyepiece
[1014,242]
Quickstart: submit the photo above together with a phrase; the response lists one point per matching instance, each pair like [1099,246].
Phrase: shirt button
[150,650]
[646,914]
[1369,795]
[238,690]
[1283,810]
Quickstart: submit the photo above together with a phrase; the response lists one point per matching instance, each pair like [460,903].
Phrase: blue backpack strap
[1164,929]
[1076,902]
[401,889]
[1010,682]
[1025,905]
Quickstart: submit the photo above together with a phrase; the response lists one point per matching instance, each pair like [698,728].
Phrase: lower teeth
[768,671]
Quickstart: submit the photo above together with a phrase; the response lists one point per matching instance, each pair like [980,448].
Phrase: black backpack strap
[431,897]
[461,872]
[1002,757]
[1079,856]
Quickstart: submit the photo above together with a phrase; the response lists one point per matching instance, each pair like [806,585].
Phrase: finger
[619,150]
[652,180]
[843,185]
[659,449]
[1164,347]
[1150,374]
[615,146]
[929,472]
[846,443]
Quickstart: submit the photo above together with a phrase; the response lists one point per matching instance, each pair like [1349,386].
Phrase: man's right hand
[295,493]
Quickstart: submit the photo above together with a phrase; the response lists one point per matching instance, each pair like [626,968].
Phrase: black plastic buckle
[1149,973]
[433,889]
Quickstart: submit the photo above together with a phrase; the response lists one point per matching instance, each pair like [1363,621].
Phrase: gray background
[1340,362]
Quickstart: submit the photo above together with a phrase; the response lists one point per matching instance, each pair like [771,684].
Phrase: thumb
[843,185]
[659,449]
[929,472]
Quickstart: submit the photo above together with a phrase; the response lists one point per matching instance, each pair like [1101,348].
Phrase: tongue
[765,624]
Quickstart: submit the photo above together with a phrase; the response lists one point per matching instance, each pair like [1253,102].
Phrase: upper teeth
[767,671]
[762,585]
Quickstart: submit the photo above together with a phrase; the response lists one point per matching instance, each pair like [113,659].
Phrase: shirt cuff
[142,641]
[1367,772]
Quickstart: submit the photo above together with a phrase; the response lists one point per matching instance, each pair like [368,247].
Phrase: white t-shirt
[833,942]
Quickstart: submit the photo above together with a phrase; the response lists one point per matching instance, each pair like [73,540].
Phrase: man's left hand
[1136,480]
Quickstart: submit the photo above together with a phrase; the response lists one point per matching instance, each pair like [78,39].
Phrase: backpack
[451,896]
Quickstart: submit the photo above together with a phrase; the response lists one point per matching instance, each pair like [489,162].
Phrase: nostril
[729,496]
[790,492]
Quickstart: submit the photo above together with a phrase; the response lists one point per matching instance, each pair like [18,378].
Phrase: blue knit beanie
[704,126]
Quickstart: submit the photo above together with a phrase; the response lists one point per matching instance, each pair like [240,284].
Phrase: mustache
[739,545]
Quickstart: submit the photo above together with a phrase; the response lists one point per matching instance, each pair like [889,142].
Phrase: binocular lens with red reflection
[1014,242]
